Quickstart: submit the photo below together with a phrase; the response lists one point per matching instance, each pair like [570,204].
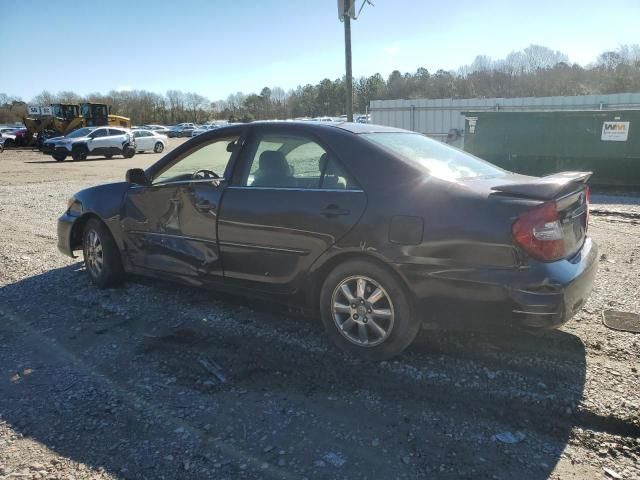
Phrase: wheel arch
[320,272]
[75,237]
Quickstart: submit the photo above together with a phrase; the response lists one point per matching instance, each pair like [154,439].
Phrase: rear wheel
[366,311]
[79,152]
[109,156]
[158,148]
[59,157]
[101,255]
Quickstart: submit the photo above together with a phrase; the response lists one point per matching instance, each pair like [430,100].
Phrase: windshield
[81,132]
[436,158]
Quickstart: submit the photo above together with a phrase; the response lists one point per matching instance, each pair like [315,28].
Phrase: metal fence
[437,117]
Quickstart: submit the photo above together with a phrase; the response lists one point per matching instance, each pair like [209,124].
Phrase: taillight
[539,233]
[587,199]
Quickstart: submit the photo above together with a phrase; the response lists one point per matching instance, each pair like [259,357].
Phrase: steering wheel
[205,175]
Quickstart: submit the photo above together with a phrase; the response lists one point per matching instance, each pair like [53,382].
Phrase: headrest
[273,161]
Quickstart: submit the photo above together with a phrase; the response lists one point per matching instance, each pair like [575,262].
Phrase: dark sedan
[378,229]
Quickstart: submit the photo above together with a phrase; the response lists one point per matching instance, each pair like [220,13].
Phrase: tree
[534,71]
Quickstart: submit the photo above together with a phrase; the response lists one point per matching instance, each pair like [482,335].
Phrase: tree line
[535,71]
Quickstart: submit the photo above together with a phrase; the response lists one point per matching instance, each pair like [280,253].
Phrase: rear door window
[284,161]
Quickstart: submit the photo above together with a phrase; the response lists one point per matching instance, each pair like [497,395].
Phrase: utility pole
[347,61]
[347,11]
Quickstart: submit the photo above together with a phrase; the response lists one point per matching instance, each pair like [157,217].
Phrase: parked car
[91,141]
[378,229]
[149,140]
[8,134]
[181,130]
[204,128]
[20,137]
[157,128]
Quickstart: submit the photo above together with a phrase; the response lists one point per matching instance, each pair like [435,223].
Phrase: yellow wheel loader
[62,118]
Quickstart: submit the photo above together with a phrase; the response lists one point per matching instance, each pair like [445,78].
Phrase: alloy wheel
[362,311]
[94,255]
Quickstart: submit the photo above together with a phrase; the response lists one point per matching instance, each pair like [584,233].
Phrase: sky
[216,47]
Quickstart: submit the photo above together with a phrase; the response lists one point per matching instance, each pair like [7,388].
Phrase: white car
[91,141]
[147,140]
[156,128]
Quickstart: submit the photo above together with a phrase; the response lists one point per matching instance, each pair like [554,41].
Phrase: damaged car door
[170,224]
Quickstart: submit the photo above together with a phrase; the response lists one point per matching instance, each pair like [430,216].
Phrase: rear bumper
[551,306]
[542,295]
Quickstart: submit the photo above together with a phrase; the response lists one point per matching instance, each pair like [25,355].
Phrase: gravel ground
[156,381]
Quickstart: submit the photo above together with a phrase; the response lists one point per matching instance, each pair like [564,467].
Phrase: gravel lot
[157,381]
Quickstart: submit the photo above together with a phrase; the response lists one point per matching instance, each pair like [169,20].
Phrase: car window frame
[249,149]
[187,148]
[93,135]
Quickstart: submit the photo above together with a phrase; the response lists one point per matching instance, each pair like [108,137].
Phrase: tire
[128,152]
[59,157]
[108,157]
[395,317]
[101,255]
[158,147]
[79,153]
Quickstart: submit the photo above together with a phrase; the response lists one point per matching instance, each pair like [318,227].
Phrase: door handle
[334,211]
[205,206]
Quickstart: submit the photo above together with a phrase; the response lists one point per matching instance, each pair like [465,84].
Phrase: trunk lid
[560,215]
[550,187]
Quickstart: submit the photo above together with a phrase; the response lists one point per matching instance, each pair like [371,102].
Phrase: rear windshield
[437,158]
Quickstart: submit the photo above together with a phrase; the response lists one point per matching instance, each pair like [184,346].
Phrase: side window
[284,161]
[102,132]
[137,134]
[113,132]
[208,161]
[334,176]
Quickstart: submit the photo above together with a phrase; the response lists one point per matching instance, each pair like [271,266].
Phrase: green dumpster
[606,142]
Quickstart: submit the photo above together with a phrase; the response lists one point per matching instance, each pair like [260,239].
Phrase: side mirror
[137,176]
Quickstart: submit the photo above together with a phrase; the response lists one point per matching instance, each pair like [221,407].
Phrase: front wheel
[129,152]
[79,153]
[58,157]
[101,255]
[366,311]
[158,148]
[108,156]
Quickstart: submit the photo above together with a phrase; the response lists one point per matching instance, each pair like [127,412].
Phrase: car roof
[352,127]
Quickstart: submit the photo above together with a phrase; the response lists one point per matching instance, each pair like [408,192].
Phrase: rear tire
[158,148]
[58,157]
[108,157]
[79,153]
[373,320]
[101,255]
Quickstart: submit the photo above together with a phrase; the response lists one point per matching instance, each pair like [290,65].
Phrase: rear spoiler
[545,188]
